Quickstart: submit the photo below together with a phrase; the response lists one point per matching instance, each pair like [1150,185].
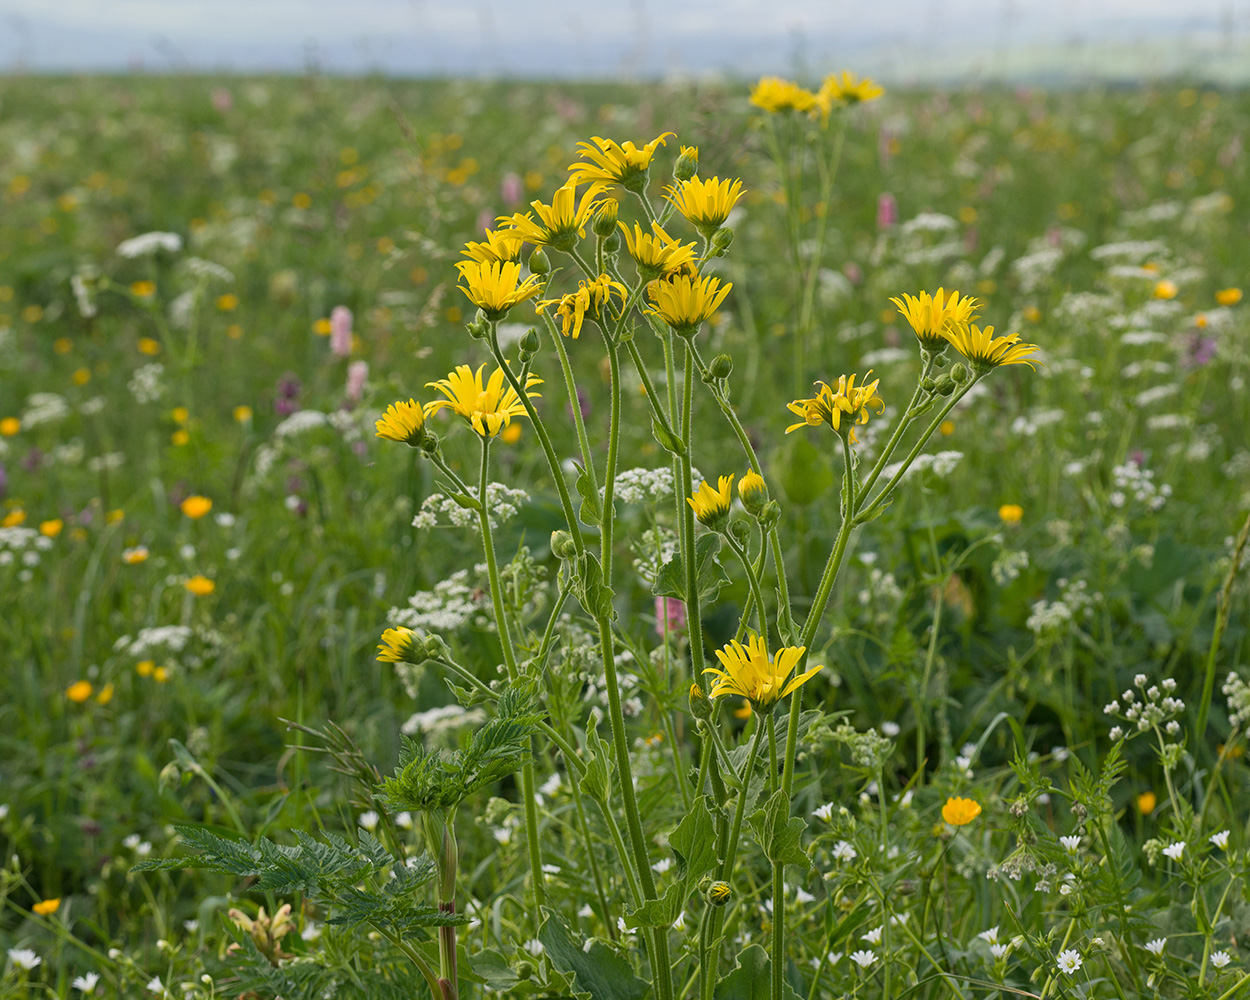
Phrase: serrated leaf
[779,833]
[670,581]
[694,847]
[597,969]
[751,978]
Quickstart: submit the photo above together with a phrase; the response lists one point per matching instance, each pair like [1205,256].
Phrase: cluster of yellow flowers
[776,95]
[943,319]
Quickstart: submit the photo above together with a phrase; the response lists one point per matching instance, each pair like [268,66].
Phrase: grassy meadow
[1065,545]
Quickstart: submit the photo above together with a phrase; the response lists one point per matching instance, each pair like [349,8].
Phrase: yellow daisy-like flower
[493,286]
[488,407]
[559,224]
[1011,513]
[47,907]
[749,672]
[711,505]
[1228,296]
[504,245]
[200,586]
[685,301]
[845,89]
[775,95]
[657,254]
[829,406]
[196,507]
[1165,289]
[987,352]
[79,691]
[403,422]
[960,812]
[932,316]
[591,297]
[753,491]
[706,204]
[625,164]
[398,645]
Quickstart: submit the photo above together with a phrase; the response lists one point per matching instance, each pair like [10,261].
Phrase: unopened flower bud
[525,970]
[612,244]
[960,373]
[700,707]
[719,893]
[530,343]
[753,492]
[605,219]
[739,530]
[562,545]
[722,239]
[687,164]
[927,384]
[539,264]
[769,514]
[945,386]
[722,366]
[478,327]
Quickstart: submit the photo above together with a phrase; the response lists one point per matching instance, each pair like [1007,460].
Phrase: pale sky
[895,39]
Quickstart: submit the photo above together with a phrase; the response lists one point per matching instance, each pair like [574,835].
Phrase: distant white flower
[842,851]
[191,926]
[4,812]
[87,983]
[680,923]
[534,947]
[586,911]
[873,936]
[368,820]
[156,986]
[1174,851]
[148,243]
[1072,843]
[1220,839]
[503,834]
[1116,733]
[24,958]
[1069,961]
[661,866]
[550,869]
[621,925]
[863,958]
[990,936]
[890,729]
[1220,959]
[999,950]
[804,897]
[404,821]
[1156,946]
[311,931]
[824,812]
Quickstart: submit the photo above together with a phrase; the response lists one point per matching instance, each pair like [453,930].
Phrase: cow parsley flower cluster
[1147,707]
[503,504]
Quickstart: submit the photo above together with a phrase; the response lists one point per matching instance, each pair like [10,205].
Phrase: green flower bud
[612,244]
[605,219]
[769,514]
[927,384]
[719,893]
[960,373]
[530,342]
[722,366]
[478,327]
[722,239]
[700,706]
[539,264]
[687,164]
[525,970]
[562,545]
[945,386]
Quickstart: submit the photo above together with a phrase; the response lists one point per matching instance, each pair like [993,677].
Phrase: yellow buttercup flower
[503,245]
[706,204]
[828,406]
[398,645]
[52,528]
[132,557]
[625,164]
[657,254]
[987,352]
[9,426]
[775,95]
[559,224]
[105,695]
[47,907]
[749,672]
[960,812]
[200,586]
[1165,289]
[1011,513]
[488,407]
[403,422]
[79,691]
[932,316]
[711,506]
[591,297]
[845,89]
[196,507]
[685,301]
[495,286]
[1146,803]
[1228,296]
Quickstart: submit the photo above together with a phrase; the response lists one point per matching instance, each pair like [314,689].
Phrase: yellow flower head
[829,406]
[196,507]
[775,95]
[403,422]
[13,518]
[132,557]
[50,529]
[9,426]
[200,586]
[719,893]
[488,407]
[960,812]
[932,316]
[845,89]
[502,246]
[79,691]
[242,414]
[559,224]
[398,645]
[987,352]
[749,672]
[105,695]
[591,297]
[657,254]
[1228,296]
[1165,289]
[1146,803]
[1011,513]
[47,907]
[612,164]
[685,301]
[753,491]
[705,204]
[493,286]
[711,506]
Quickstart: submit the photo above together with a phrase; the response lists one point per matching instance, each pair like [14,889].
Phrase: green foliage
[599,973]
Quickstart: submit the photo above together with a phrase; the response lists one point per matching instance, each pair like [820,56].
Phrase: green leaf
[464,501]
[750,980]
[803,470]
[591,513]
[492,969]
[597,781]
[779,833]
[670,581]
[668,442]
[599,970]
[694,846]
